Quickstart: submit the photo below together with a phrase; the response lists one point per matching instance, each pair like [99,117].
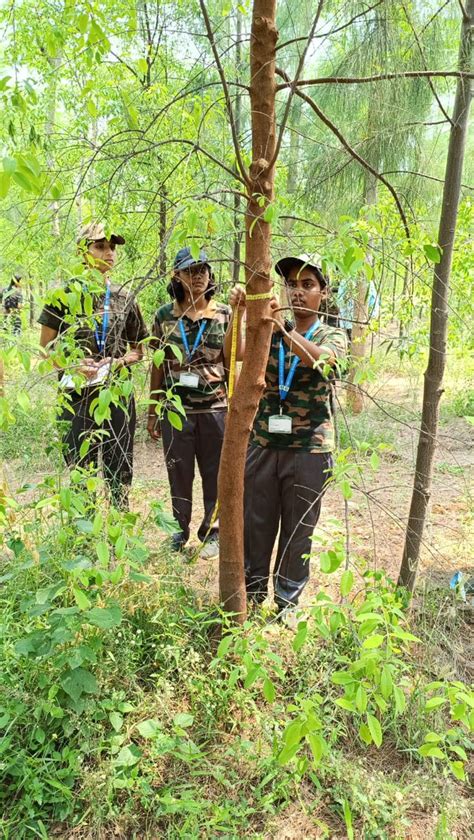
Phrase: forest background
[123,714]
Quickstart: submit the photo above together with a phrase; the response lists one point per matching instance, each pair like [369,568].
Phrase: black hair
[176,291]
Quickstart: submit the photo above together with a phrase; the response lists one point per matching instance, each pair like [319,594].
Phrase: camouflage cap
[283,266]
[96,231]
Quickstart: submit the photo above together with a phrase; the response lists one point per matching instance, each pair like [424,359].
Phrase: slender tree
[434,373]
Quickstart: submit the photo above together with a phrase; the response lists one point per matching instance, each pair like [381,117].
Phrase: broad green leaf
[344,703]
[386,682]
[347,582]
[292,734]
[400,700]
[4,184]
[142,66]
[374,461]
[9,165]
[174,420]
[79,681]
[364,733]
[457,768]
[361,699]
[433,253]
[301,636]
[149,728]
[269,691]
[434,702]
[431,751]
[116,720]
[224,646]
[102,550]
[183,720]
[23,400]
[128,756]
[105,617]
[375,729]
[317,745]
[158,357]
[346,489]
[81,598]
[373,641]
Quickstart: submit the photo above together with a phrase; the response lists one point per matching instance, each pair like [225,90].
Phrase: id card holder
[279,424]
[190,380]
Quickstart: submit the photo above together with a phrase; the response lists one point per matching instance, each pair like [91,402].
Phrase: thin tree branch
[333,31]
[421,175]
[420,50]
[299,70]
[382,77]
[225,88]
[364,163]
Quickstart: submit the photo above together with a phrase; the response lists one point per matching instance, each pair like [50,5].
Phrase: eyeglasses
[196,270]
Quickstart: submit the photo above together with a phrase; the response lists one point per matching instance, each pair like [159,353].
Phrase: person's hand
[88,367]
[153,427]
[237,297]
[106,361]
[276,315]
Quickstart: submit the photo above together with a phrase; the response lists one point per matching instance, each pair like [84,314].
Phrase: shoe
[177,542]
[288,616]
[210,549]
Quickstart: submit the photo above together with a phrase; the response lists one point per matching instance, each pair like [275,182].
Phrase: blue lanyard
[284,385]
[105,322]
[197,340]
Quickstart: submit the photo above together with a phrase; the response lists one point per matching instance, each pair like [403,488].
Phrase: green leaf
[174,420]
[79,681]
[91,108]
[82,23]
[292,735]
[431,751]
[102,550]
[175,349]
[269,691]
[301,636]
[23,400]
[375,729]
[386,682]
[149,728]
[128,756]
[434,702]
[183,720]
[9,165]
[374,461]
[346,489]
[346,704]
[373,641]
[116,720]
[105,617]
[4,184]
[81,598]
[361,699]
[224,646]
[142,66]
[347,582]
[457,768]
[432,253]
[317,745]
[158,358]
[364,733]
[270,213]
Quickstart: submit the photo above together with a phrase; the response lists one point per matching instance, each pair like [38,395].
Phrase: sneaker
[210,549]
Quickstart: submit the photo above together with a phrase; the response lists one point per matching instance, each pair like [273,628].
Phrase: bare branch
[382,77]
[332,31]
[225,88]
[299,70]
[366,165]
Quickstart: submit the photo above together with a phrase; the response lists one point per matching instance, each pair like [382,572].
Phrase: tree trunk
[251,383]
[355,398]
[432,390]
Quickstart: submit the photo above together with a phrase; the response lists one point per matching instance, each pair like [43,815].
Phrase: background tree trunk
[439,311]
[238,129]
[258,280]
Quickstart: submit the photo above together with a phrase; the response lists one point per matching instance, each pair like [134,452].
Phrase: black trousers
[283,490]
[199,440]
[112,439]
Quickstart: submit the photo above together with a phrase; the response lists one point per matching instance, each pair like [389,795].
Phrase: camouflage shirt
[74,311]
[308,401]
[207,361]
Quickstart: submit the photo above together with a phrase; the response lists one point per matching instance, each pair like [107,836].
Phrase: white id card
[280,424]
[190,380]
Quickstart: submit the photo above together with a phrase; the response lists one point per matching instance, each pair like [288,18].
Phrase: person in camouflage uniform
[198,327]
[289,459]
[97,345]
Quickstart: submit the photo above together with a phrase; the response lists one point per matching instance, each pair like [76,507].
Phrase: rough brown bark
[258,281]
[439,311]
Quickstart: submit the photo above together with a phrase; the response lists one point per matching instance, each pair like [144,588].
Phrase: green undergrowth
[131,707]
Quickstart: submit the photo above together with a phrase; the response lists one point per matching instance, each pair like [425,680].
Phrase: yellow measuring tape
[233,346]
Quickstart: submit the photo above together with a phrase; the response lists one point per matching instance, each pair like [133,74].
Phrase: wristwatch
[289,325]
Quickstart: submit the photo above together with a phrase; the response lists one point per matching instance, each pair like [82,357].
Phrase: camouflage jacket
[207,361]
[308,401]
